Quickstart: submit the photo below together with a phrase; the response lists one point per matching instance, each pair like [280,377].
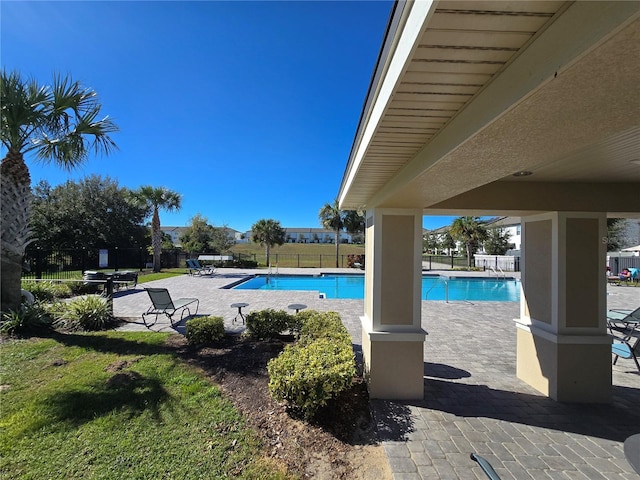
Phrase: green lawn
[300,254]
[113,406]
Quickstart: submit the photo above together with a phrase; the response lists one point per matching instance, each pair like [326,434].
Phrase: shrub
[323,325]
[91,312]
[205,330]
[47,291]
[268,323]
[28,318]
[318,367]
[307,376]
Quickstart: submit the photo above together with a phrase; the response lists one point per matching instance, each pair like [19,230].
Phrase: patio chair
[623,320]
[208,270]
[625,347]
[485,466]
[195,268]
[163,304]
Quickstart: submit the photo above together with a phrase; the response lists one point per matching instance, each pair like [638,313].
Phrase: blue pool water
[433,287]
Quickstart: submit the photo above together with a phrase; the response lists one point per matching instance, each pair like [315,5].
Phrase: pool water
[433,287]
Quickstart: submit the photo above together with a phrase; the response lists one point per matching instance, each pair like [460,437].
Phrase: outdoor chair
[162,303]
[485,466]
[625,347]
[125,279]
[623,320]
[624,326]
[208,270]
[195,268]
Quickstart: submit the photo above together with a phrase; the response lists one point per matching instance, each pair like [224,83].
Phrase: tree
[497,241]
[94,212]
[197,235]
[332,218]
[57,123]
[222,240]
[446,242]
[471,232]
[354,224]
[156,198]
[204,238]
[268,232]
[615,233]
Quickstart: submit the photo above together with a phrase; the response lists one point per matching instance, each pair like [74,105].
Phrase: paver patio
[473,401]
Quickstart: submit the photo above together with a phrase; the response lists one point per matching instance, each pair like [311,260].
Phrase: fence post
[298,260]
[452,261]
[38,263]
[109,293]
[320,260]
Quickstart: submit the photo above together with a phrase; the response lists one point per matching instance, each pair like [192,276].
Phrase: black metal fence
[70,263]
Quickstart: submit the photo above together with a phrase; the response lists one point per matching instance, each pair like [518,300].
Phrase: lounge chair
[163,304]
[620,319]
[208,270]
[195,268]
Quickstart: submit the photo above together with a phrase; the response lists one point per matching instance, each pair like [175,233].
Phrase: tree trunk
[469,255]
[15,185]
[268,252]
[156,240]
[337,248]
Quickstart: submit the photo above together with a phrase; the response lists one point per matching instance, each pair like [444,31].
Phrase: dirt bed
[340,443]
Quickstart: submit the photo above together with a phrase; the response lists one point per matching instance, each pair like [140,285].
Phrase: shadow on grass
[110,344]
[126,391]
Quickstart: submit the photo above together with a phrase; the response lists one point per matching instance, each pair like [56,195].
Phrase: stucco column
[563,349]
[392,335]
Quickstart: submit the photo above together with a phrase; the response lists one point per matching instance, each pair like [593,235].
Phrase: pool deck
[473,401]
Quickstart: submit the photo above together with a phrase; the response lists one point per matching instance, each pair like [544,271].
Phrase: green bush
[307,376]
[29,318]
[269,323]
[205,330]
[318,367]
[91,312]
[323,325]
[47,291]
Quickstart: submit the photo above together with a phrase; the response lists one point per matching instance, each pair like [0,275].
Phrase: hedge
[204,330]
[315,369]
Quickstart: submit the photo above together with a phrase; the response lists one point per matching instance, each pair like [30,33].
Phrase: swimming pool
[434,287]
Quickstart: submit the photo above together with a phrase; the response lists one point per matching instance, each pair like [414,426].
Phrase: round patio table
[297,307]
[632,451]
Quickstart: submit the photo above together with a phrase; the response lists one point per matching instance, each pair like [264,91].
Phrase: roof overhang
[468,93]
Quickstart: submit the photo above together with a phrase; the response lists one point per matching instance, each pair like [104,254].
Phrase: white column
[563,349]
[392,335]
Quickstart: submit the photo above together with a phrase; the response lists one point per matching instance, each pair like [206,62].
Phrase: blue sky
[247,109]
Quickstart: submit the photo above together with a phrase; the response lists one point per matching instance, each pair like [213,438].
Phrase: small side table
[239,306]
[632,451]
[297,307]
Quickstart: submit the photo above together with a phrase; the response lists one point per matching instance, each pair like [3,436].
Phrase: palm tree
[156,198]
[354,222]
[470,231]
[332,218]
[57,123]
[268,232]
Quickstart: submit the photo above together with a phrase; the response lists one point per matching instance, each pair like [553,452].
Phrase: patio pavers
[473,400]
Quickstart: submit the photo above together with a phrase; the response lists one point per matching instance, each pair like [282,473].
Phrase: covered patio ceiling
[468,93]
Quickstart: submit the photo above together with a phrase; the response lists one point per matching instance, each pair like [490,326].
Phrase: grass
[299,254]
[299,249]
[117,405]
